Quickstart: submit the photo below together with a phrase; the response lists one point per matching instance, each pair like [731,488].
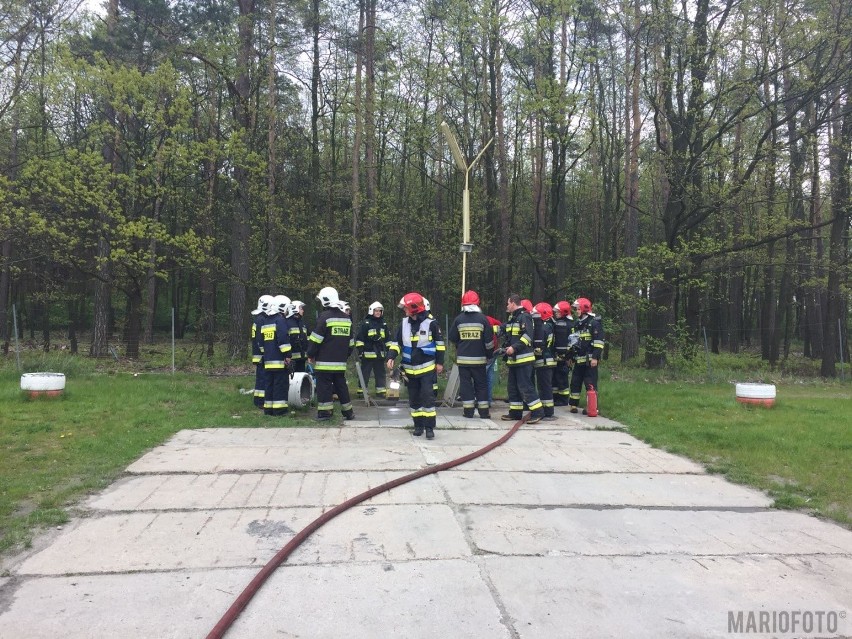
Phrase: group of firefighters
[551,353]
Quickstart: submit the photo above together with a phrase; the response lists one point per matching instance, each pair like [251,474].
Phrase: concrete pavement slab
[602,489]
[561,532]
[237,538]
[142,605]
[258,490]
[508,530]
[561,451]
[419,599]
[320,449]
[659,597]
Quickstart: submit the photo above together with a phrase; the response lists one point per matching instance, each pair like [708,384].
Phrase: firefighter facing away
[372,343]
[329,347]
[473,336]
[421,344]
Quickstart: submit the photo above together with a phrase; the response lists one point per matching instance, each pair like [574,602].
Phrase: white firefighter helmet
[280,304]
[296,306]
[427,305]
[328,297]
[269,305]
[376,306]
[344,306]
[262,303]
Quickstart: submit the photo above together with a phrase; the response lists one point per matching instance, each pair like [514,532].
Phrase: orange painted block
[766,401]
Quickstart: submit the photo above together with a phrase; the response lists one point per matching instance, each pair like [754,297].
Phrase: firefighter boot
[418,426]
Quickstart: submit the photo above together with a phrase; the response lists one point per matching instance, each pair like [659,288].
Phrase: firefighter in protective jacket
[562,324]
[589,330]
[329,347]
[545,359]
[276,358]
[421,344]
[473,336]
[372,343]
[517,346]
[264,306]
[298,336]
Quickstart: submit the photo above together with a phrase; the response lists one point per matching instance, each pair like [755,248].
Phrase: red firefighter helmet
[563,307]
[544,310]
[583,305]
[527,305]
[470,298]
[412,302]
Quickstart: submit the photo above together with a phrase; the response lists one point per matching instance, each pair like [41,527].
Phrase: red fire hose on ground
[255,584]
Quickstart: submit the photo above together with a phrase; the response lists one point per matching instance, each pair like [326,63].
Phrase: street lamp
[466,246]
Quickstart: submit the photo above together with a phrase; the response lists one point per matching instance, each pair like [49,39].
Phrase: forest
[685,165]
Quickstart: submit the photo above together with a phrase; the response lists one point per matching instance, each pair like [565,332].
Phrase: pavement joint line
[505,615]
[473,558]
[100,513]
[460,469]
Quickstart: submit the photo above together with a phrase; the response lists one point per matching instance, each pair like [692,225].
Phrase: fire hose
[255,584]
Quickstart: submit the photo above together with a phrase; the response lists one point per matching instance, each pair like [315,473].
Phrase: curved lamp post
[464,167]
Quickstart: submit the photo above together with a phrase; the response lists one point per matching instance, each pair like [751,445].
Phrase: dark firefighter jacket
[331,342]
[473,336]
[372,338]
[517,333]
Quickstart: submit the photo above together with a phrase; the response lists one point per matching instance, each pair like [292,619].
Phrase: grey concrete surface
[564,531]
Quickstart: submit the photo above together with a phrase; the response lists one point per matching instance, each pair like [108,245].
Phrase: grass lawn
[800,450]
[54,451]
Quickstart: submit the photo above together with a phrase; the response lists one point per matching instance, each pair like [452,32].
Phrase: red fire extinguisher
[591,402]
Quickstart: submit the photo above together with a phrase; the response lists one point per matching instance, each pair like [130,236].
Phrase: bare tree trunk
[207,320]
[6,244]
[355,276]
[737,277]
[103,276]
[369,40]
[5,291]
[315,115]
[630,316]
[133,324]
[240,228]
[505,241]
[151,277]
[838,251]
[273,223]
[769,318]
[814,294]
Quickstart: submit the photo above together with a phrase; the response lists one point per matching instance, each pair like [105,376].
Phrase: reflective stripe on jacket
[517,332]
[422,346]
